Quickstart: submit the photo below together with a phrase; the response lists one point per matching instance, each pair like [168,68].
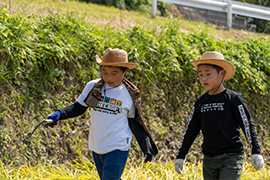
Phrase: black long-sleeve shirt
[72,111]
[220,118]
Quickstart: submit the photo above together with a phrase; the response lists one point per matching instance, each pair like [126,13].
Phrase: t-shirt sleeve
[131,113]
[85,92]
[244,121]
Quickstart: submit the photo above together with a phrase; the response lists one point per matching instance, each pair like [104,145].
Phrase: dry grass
[133,171]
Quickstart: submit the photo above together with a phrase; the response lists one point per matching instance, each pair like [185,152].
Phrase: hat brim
[128,65]
[227,65]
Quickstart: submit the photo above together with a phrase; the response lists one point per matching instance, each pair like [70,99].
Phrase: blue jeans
[223,167]
[111,165]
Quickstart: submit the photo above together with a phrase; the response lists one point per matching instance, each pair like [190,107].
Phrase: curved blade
[44,120]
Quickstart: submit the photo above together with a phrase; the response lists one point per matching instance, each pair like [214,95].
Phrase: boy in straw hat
[219,113]
[116,114]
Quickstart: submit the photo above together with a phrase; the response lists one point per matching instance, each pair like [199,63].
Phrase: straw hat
[216,58]
[115,57]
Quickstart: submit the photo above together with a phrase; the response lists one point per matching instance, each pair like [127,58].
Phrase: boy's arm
[192,131]
[72,110]
[145,142]
[244,121]
[79,107]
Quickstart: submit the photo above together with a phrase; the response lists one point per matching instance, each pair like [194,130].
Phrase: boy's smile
[211,79]
[112,75]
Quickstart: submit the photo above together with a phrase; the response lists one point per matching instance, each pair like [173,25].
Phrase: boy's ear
[223,72]
[126,71]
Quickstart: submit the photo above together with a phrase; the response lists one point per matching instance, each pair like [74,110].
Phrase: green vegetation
[46,59]
[116,19]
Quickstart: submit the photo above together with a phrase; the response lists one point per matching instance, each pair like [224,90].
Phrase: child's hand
[179,164]
[257,161]
[55,116]
[148,158]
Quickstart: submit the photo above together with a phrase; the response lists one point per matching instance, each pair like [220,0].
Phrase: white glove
[257,161]
[178,165]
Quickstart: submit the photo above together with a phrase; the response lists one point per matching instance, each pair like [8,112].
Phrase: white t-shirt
[109,128]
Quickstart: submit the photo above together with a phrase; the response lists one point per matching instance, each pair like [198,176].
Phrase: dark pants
[223,167]
[111,165]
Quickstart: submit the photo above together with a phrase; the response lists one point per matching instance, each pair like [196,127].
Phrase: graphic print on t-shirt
[109,106]
[212,107]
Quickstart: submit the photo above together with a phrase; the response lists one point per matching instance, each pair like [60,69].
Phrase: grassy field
[24,104]
[133,171]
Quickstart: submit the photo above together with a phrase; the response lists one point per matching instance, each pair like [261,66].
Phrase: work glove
[178,165]
[55,116]
[257,161]
[148,158]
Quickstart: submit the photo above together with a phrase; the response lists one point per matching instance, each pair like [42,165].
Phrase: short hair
[121,67]
[218,68]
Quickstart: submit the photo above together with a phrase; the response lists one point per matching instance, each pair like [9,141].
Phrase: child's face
[112,75]
[210,78]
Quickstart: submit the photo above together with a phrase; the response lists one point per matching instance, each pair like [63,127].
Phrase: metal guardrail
[231,7]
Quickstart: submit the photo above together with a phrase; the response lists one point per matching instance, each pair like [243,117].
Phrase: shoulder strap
[94,95]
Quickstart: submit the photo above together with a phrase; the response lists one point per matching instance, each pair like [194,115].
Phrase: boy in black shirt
[219,113]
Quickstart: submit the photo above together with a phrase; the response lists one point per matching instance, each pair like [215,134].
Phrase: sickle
[44,120]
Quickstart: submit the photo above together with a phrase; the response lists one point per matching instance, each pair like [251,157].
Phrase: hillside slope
[47,60]
[118,19]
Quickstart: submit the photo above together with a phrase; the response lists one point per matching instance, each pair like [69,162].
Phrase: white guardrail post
[229,15]
[231,7]
[154,8]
